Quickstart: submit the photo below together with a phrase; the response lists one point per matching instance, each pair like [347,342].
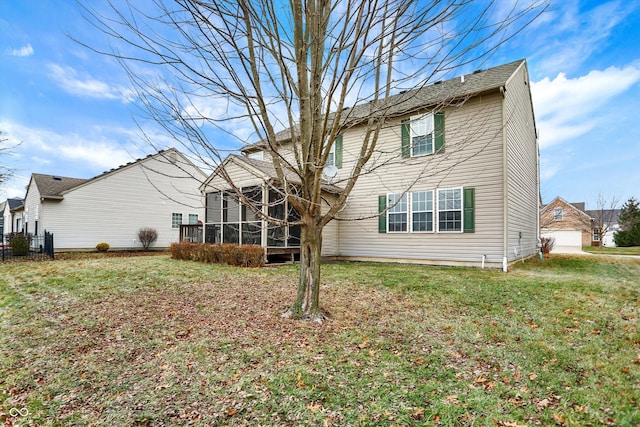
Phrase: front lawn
[604,250]
[154,341]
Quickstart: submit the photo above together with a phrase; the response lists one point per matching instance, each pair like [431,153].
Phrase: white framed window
[193,219]
[596,235]
[450,210]
[176,220]
[558,214]
[421,133]
[331,159]
[422,211]
[397,216]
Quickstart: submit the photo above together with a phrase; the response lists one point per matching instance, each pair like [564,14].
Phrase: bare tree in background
[604,216]
[6,149]
[295,66]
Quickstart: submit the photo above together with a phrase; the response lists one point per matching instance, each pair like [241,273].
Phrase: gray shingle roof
[439,93]
[14,203]
[605,214]
[266,167]
[52,186]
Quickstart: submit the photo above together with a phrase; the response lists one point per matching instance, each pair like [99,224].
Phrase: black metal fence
[21,246]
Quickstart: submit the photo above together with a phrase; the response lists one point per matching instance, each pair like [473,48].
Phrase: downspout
[505,188]
[539,194]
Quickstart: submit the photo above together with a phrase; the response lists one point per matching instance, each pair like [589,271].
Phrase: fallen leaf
[314,406]
[417,414]
[544,403]
[453,399]
[509,424]
[532,376]
[559,419]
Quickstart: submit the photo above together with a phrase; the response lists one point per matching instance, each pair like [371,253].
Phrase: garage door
[565,238]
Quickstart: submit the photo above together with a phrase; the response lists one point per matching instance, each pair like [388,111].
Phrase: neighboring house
[11,216]
[572,226]
[567,223]
[160,191]
[603,219]
[479,203]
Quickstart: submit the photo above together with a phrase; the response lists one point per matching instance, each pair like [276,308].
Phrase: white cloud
[572,34]
[23,51]
[67,78]
[46,147]
[564,106]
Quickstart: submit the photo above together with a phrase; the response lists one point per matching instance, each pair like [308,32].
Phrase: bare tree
[290,69]
[5,149]
[604,216]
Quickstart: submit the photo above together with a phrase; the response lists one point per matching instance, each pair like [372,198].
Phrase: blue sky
[72,110]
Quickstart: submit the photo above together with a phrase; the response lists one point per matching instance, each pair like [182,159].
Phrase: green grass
[633,250]
[153,341]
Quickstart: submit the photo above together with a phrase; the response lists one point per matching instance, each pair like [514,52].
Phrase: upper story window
[335,153]
[558,214]
[422,135]
[331,159]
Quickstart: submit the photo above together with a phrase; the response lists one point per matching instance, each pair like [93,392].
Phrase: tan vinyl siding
[113,208]
[522,174]
[472,158]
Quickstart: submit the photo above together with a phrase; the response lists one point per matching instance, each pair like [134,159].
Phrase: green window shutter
[405,139]
[338,152]
[382,218]
[469,199]
[439,131]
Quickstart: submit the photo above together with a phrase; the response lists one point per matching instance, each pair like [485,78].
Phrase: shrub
[226,253]
[147,236]
[547,244]
[19,244]
[102,247]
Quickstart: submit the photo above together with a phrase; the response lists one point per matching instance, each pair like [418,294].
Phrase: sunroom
[255,212]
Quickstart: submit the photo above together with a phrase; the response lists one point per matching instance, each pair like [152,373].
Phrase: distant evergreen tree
[629,220]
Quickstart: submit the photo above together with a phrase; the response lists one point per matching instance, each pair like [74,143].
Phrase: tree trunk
[307,304]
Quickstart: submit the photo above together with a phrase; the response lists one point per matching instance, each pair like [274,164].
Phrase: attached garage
[566,240]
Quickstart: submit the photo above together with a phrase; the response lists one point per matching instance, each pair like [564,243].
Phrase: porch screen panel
[213,233]
[294,230]
[213,207]
[276,234]
[251,233]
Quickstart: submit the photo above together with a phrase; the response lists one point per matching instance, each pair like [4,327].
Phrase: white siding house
[455,180]
[11,220]
[160,191]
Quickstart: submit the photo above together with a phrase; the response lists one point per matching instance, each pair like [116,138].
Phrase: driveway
[569,250]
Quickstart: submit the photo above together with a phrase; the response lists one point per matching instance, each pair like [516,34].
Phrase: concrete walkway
[569,250]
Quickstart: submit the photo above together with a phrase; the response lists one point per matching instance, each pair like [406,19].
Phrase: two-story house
[455,180]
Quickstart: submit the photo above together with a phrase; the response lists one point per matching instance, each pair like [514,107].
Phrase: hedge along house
[455,180]
[160,191]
